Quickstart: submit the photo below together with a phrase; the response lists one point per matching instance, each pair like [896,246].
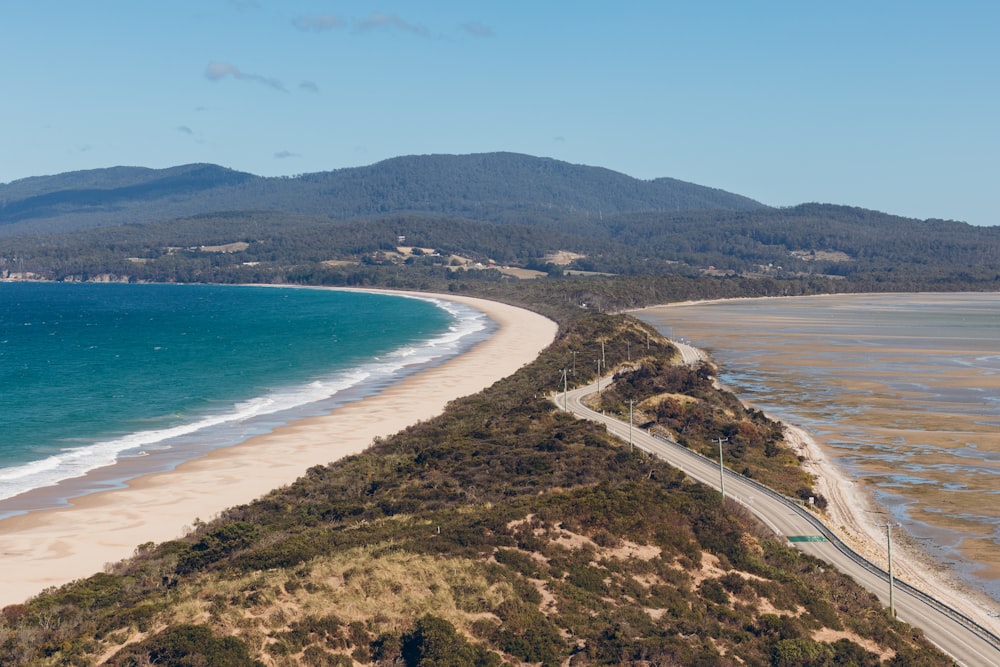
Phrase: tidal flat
[902,391]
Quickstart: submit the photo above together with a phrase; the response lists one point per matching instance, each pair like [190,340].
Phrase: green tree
[434,642]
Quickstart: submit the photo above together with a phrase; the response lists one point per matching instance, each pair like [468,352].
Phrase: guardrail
[797,506]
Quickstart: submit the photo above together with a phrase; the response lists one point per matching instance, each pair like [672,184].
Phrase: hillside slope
[501,532]
[482,186]
[502,208]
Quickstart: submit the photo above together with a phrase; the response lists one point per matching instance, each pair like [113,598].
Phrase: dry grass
[822,255]
[828,635]
[239,246]
[381,589]
[522,274]
[392,587]
[563,257]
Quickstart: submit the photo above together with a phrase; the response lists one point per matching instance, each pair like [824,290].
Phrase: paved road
[963,640]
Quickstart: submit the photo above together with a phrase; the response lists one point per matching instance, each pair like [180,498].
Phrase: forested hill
[505,209]
[490,186]
[118,195]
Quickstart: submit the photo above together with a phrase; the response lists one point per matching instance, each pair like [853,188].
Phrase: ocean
[93,374]
[901,391]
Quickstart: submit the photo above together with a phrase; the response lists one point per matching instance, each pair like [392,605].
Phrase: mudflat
[898,402]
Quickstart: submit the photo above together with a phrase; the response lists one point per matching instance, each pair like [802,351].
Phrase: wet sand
[894,427]
[52,547]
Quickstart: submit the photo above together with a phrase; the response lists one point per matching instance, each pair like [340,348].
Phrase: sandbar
[52,547]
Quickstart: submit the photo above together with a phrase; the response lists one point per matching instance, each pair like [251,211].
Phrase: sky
[892,105]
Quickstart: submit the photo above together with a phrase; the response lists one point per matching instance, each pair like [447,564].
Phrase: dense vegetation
[205,223]
[497,186]
[503,531]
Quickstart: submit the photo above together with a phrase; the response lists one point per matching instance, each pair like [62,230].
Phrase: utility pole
[574,363]
[565,404]
[604,360]
[598,376]
[628,349]
[630,404]
[722,469]
[888,540]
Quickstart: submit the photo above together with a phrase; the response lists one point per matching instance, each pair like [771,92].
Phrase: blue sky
[886,104]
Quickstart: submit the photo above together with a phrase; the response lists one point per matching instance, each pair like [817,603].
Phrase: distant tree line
[801,250]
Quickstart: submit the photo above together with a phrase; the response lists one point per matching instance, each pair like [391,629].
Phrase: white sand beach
[48,548]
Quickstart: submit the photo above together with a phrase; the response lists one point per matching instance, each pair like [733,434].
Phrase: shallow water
[902,391]
[100,378]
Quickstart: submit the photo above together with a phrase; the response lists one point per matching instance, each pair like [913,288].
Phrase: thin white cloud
[477,29]
[284,155]
[380,21]
[216,71]
[187,131]
[376,21]
[319,23]
[309,87]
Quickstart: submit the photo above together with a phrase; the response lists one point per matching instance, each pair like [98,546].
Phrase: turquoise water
[93,373]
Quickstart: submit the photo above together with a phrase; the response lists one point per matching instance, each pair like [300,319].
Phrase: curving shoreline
[51,547]
[853,514]
[850,514]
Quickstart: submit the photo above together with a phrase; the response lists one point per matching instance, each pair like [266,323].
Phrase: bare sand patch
[522,274]
[563,257]
[831,636]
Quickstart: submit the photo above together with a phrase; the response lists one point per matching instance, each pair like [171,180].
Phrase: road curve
[965,641]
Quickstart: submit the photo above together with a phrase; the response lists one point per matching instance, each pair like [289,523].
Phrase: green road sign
[806,538]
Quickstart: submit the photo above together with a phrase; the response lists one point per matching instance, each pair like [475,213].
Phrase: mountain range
[552,543]
[507,208]
[480,186]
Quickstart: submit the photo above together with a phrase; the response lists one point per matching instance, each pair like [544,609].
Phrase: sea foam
[229,425]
